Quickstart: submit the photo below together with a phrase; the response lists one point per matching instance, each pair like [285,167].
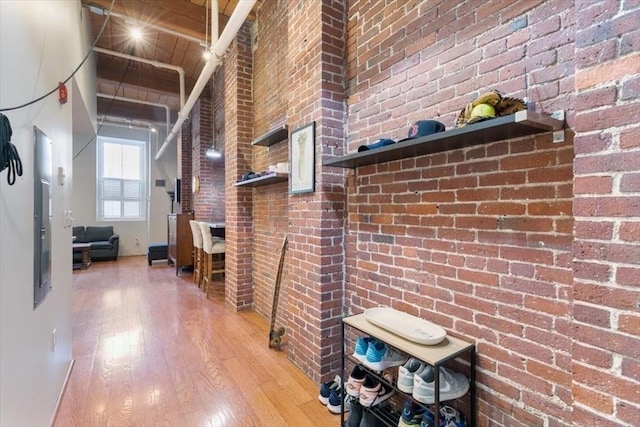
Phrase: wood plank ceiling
[175,32]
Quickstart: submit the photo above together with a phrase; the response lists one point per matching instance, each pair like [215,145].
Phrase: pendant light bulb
[212,153]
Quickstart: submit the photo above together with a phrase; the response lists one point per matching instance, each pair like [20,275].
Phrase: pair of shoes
[374,392]
[451,417]
[326,388]
[407,372]
[452,385]
[413,415]
[336,399]
[360,349]
[416,415]
[376,355]
[354,383]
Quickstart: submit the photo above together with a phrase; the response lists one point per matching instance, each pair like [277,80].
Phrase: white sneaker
[406,373]
[374,392]
[452,385]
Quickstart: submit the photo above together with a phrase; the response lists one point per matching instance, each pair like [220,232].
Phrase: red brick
[592,315]
[528,161]
[628,412]
[594,230]
[584,416]
[629,232]
[591,271]
[592,143]
[592,185]
[630,138]
[606,340]
[607,71]
[629,323]
[631,368]
[630,183]
[557,208]
[607,252]
[628,276]
[599,401]
[591,12]
[594,54]
[620,387]
[607,206]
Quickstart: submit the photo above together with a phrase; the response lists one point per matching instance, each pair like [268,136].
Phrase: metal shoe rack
[434,355]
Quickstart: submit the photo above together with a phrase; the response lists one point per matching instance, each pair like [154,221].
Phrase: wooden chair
[198,255]
[213,248]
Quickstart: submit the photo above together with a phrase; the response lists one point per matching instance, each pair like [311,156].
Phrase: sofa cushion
[93,234]
[101,244]
[80,234]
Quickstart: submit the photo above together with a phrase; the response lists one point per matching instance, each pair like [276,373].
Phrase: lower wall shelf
[270,178]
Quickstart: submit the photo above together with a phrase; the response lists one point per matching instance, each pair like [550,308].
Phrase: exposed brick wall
[606,257]
[208,203]
[478,240]
[270,216]
[238,118]
[184,168]
[316,72]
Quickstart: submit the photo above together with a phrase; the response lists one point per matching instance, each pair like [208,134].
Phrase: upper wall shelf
[522,123]
[270,178]
[270,138]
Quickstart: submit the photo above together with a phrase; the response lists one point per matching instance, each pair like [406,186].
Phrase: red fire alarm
[62,93]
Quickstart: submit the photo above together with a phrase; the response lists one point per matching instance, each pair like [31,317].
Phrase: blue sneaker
[412,414]
[335,401]
[362,344]
[428,420]
[380,356]
[325,389]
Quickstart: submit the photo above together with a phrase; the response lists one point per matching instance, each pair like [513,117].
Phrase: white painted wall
[85,189]
[41,43]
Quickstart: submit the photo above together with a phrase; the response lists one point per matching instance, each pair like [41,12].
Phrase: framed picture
[302,153]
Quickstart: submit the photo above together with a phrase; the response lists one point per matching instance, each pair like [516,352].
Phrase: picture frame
[302,152]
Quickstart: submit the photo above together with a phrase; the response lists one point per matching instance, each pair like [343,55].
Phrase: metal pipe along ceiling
[218,50]
[137,101]
[155,63]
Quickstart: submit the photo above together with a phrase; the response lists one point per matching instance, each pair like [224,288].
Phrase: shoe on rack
[452,385]
[355,413]
[354,383]
[380,356]
[325,389]
[451,417]
[335,401]
[406,373]
[428,420]
[374,392]
[360,350]
[412,414]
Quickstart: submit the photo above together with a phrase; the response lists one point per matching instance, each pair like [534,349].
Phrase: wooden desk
[86,260]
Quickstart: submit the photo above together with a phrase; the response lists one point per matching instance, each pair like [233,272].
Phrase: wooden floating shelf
[271,178]
[522,123]
[272,137]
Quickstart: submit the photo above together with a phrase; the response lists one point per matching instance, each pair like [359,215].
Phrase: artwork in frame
[302,154]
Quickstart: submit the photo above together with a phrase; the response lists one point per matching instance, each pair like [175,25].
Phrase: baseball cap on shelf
[423,128]
[378,144]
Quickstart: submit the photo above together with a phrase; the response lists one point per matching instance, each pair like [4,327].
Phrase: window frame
[100,179]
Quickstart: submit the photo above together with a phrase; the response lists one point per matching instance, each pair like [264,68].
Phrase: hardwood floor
[152,350]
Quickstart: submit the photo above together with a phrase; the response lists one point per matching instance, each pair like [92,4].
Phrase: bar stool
[213,248]
[198,267]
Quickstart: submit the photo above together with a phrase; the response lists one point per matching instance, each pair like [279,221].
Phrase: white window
[122,192]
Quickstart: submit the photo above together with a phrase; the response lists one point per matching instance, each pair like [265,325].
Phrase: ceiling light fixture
[213,153]
[136,34]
